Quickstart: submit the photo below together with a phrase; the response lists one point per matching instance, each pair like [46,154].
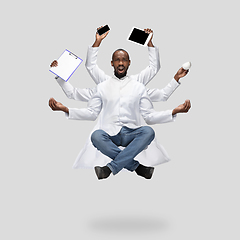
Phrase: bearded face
[120,62]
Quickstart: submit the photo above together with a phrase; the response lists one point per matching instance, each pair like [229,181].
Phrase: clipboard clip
[73,55]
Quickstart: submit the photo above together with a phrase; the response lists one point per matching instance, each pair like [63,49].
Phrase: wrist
[65,109]
[150,44]
[176,78]
[97,43]
[174,112]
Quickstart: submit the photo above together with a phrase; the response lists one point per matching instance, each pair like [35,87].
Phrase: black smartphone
[103,30]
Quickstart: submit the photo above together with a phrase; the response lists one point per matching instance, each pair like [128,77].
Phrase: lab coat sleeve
[158,95]
[76,93]
[150,115]
[90,113]
[146,75]
[94,71]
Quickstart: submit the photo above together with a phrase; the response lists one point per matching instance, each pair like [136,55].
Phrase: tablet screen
[138,36]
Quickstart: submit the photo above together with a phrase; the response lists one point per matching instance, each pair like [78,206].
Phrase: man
[121,104]
[155,153]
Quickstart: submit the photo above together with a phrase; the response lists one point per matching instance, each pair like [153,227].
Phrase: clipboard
[67,65]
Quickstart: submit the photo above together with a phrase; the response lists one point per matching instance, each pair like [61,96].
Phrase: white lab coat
[89,156]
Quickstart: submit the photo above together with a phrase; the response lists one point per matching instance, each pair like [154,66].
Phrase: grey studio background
[195,196]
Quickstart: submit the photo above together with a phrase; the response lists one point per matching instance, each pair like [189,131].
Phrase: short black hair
[120,49]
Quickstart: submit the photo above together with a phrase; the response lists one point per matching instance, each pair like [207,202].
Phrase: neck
[119,76]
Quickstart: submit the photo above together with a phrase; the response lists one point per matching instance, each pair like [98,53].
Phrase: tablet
[139,36]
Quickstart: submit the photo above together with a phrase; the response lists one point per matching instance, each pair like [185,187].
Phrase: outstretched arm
[71,92]
[153,117]
[157,95]
[89,113]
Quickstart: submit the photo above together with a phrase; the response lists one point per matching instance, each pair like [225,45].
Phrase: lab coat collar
[123,78]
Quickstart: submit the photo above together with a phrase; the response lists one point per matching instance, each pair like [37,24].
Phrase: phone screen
[103,30]
[138,36]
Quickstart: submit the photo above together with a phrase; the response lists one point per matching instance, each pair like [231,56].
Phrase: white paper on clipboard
[67,65]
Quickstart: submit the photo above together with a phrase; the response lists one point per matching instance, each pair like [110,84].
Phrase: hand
[183,108]
[54,63]
[99,38]
[180,73]
[57,106]
[148,30]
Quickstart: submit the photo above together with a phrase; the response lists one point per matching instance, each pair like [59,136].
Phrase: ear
[129,62]
[112,63]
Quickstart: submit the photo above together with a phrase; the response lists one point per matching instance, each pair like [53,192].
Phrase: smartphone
[139,36]
[103,30]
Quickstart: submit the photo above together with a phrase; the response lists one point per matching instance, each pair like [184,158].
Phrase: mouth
[121,69]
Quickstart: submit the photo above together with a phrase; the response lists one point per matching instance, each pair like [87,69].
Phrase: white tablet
[139,36]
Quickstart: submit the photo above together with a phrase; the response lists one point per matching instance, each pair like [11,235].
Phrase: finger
[51,104]
[54,63]
[51,100]
[188,105]
[184,107]
[184,72]
[54,105]
[105,34]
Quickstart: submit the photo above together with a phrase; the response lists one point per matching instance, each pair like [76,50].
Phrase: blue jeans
[134,141]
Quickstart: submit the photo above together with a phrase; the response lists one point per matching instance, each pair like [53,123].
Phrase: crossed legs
[134,141]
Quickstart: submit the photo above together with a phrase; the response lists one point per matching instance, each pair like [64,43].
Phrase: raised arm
[71,92]
[146,75]
[99,38]
[157,95]
[94,71]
